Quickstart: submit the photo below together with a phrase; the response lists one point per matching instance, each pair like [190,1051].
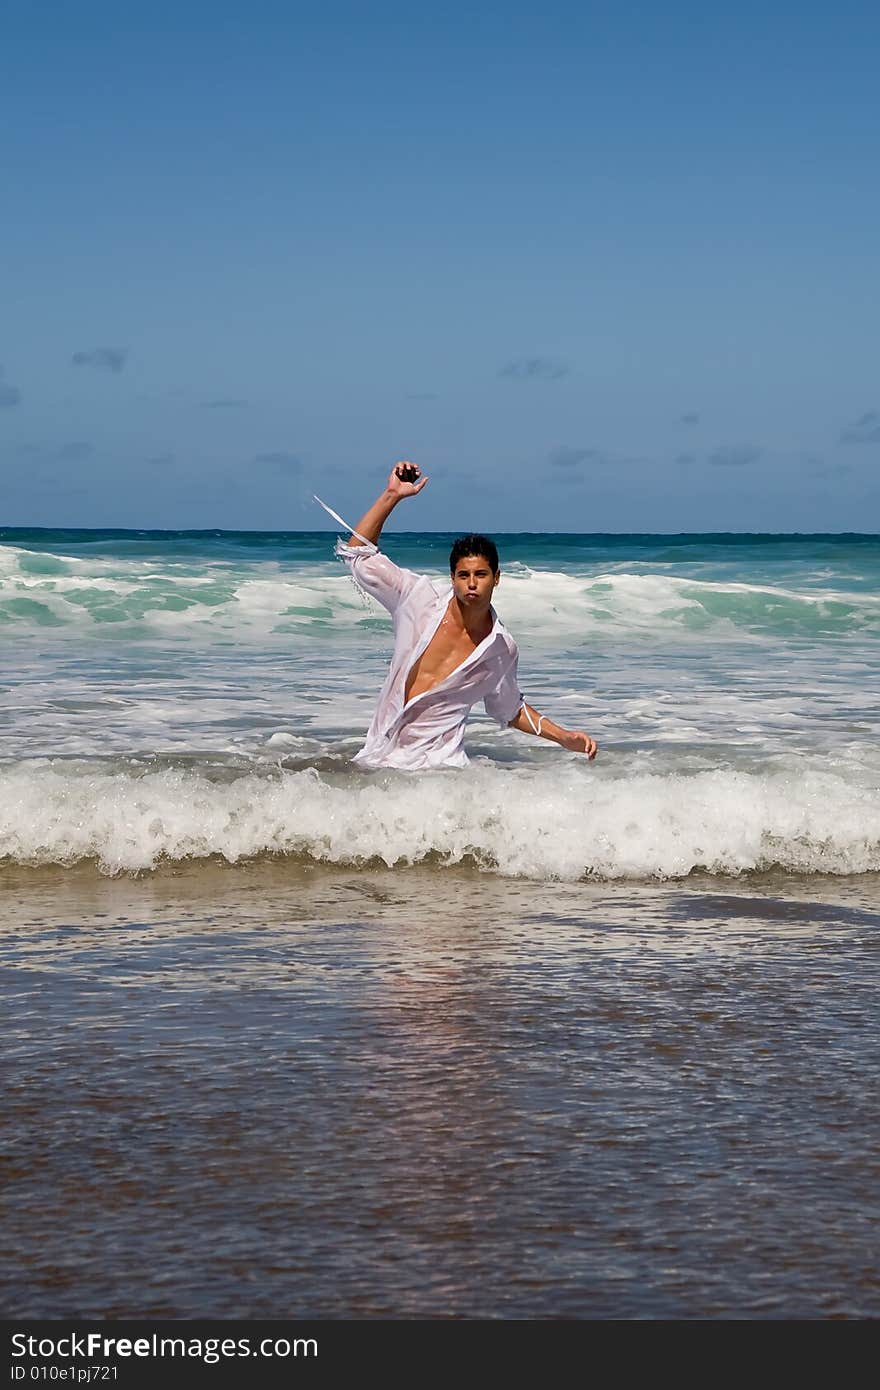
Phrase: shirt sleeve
[377,575]
[505,701]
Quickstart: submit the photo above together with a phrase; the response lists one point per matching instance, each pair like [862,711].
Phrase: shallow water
[285,1090]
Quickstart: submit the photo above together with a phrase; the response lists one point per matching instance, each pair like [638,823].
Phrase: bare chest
[448,649]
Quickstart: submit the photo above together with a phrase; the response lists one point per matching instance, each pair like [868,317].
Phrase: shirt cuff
[351,552]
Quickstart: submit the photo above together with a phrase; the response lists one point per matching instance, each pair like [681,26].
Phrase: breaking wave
[216,601]
[564,823]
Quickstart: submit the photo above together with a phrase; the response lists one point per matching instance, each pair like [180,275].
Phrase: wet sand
[282,1090]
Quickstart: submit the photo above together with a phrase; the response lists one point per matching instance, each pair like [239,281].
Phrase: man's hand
[372,521]
[397,483]
[578,742]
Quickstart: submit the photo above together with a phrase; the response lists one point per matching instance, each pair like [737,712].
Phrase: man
[450,648]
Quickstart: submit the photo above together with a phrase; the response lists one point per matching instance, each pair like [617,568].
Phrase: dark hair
[474,545]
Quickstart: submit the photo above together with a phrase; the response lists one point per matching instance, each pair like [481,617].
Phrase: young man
[450,649]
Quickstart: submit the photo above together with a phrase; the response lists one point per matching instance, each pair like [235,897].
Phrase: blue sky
[594,266]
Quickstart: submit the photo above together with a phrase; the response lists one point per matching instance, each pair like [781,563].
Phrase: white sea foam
[564,822]
[254,602]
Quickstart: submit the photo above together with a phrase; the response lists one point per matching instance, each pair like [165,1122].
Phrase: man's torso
[449,648]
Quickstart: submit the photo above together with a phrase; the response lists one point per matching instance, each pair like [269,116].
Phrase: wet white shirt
[428,730]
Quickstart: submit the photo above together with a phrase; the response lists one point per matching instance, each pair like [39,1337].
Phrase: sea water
[537,1038]
[171,696]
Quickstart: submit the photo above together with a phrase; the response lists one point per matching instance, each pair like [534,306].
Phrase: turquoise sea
[537,1038]
[175,695]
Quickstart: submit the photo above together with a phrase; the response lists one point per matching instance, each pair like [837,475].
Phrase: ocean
[536,1038]
[178,695]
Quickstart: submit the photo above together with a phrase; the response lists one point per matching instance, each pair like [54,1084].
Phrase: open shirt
[428,730]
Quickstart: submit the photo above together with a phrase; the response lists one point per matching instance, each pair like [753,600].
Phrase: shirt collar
[498,628]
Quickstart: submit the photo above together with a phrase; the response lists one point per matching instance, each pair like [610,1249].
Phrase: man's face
[473,581]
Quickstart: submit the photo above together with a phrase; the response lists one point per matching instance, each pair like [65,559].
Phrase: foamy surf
[218,601]
[557,823]
[173,697]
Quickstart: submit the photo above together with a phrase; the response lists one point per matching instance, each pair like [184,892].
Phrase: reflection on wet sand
[290,1091]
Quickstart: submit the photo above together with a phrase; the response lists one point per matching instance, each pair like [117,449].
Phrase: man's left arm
[529,721]
[507,696]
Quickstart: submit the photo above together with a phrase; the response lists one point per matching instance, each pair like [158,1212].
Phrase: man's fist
[406,479]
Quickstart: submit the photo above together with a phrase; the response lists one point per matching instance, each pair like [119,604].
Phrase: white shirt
[428,730]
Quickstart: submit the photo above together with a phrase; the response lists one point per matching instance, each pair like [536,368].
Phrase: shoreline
[203,875]
[254,1092]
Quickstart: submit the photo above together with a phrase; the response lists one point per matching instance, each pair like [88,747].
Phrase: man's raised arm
[371,523]
[372,571]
